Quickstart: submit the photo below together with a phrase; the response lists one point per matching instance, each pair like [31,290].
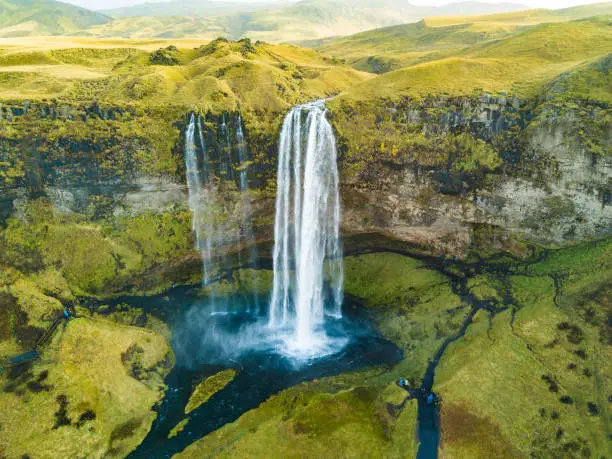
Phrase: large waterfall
[307,258]
[307,250]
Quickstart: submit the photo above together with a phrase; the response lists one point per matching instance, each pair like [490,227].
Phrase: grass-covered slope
[518,64]
[302,20]
[44,17]
[90,395]
[193,8]
[220,74]
[391,48]
[528,17]
[535,380]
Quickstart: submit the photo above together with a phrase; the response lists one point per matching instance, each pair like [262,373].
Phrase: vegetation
[83,259]
[44,17]
[209,387]
[434,38]
[220,75]
[260,22]
[91,395]
[165,56]
[533,377]
[518,64]
[331,416]
[391,48]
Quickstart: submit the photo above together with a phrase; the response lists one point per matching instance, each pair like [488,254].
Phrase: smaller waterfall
[194,186]
[308,273]
[217,222]
[206,170]
[242,156]
[247,210]
[226,162]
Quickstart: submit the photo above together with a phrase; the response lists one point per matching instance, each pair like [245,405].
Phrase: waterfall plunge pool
[209,337]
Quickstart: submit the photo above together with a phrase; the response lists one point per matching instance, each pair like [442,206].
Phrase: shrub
[165,56]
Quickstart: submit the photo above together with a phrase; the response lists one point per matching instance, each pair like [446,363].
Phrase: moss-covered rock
[209,387]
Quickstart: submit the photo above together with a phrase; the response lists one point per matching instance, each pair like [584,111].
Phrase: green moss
[486,288]
[209,387]
[77,256]
[401,281]
[317,419]
[394,394]
[245,281]
[414,306]
[178,428]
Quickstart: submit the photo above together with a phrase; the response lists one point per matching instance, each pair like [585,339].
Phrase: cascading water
[226,163]
[194,185]
[307,245]
[307,285]
[243,182]
[242,156]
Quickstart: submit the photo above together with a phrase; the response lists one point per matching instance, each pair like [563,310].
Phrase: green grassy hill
[44,17]
[391,48]
[304,20]
[520,63]
[219,74]
[528,17]
[189,8]
[161,27]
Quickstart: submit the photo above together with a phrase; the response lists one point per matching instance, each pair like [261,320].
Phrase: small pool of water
[208,338]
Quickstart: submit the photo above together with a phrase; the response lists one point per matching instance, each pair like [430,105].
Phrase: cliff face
[447,174]
[451,174]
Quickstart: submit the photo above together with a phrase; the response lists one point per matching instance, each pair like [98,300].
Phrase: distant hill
[391,48]
[306,19]
[194,8]
[520,63]
[20,18]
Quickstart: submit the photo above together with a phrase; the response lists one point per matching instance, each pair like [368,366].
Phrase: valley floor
[519,351]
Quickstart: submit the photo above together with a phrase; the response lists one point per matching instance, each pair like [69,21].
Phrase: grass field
[90,396]
[218,74]
[518,64]
[391,48]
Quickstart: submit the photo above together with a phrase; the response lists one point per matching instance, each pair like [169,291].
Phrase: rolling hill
[303,20]
[194,8]
[395,47]
[519,64]
[218,74]
[44,17]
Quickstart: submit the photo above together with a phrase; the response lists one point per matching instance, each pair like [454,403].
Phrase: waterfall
[243,182]
[194,186]
[210,214]
[205,162]
[226,163]
[307,247]
[242,156]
